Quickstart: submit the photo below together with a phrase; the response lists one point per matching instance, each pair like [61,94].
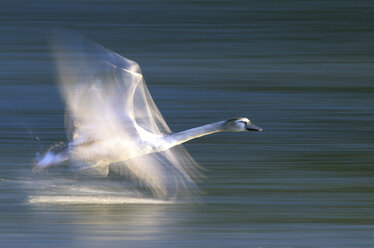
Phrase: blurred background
[302,70]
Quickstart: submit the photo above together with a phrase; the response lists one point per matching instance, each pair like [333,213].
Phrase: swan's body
[114,124]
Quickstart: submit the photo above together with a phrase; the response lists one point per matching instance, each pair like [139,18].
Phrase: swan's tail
[54,156]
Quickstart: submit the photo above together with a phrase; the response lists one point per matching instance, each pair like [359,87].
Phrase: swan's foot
[99,169]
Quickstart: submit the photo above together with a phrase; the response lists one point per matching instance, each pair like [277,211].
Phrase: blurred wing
[167,174]
[106,96]
[102,90]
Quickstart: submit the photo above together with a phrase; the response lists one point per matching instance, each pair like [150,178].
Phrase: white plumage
[113,123]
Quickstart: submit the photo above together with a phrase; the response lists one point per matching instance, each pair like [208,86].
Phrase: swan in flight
[114,125]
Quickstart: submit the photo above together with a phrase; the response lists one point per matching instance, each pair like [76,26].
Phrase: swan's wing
[102,90]
[106,96]
[167,174]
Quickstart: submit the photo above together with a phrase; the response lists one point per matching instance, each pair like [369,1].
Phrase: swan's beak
[252,127]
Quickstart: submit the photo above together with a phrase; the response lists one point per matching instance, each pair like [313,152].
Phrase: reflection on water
[91,200]
[301,70]
[73,191]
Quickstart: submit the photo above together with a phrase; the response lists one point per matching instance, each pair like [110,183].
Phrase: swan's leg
[99,169]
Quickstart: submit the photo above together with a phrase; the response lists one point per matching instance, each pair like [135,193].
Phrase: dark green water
[302,70]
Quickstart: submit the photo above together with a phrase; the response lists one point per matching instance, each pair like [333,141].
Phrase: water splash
[65,200]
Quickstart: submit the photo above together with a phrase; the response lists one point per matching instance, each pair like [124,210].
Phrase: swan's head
[240,125]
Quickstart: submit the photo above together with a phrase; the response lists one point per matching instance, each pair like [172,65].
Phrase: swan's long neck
[181,137]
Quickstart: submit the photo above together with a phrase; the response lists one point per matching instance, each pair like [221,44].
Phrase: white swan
[113,123]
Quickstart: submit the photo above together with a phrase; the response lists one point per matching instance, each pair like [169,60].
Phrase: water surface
[303,71]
